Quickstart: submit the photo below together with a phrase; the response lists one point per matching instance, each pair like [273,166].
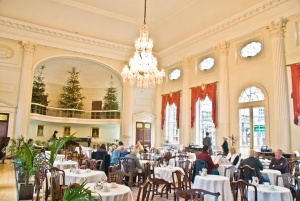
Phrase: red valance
[199,93]
[295,68]
[170,98]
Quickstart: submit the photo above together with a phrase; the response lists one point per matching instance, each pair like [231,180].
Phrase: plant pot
[21,177]
[26,192]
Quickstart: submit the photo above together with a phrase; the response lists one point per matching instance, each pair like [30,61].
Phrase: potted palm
[79,193]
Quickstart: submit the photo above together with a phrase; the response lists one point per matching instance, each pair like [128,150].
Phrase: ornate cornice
[29,46]
[185,62]
[277,27]
[251,12]
[62,34]
[222,48]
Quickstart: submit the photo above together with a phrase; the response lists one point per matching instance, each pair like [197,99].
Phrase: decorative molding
[251,12]
[6,52]
[62,34]
[185,62]
[277,27]
[223,48]
[29,46]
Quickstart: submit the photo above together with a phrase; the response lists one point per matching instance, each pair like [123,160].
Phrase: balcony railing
[74,113]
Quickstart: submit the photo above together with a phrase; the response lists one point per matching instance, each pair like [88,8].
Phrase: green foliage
[110,98]
[38,88]
[57,145]
[78,193]
[72,97]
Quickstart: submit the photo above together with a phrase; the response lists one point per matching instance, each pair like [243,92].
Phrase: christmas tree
[110,98]
[72,96]
[38,88]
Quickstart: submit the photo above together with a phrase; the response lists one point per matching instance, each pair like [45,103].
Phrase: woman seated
[102,149]
[232,156]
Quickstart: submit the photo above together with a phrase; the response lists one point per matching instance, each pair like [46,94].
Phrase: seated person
[279,162]
[139,147]
[156,156]
[254,163]
[115,155]
[132,155]
[204,155]
[232,156]
[123,150]
[102,149]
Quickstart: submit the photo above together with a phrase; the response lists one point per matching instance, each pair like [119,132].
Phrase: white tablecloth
[270,175]
[214,183]
[173,164]
[87,151]
[120,193]
[91,177]
[165,173]
[59,157]
[265,163]
[65,164]
[222,168]
[264,193]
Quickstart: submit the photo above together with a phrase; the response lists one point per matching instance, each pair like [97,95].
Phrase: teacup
[113,184]
[271,187]
[266,184]
[105,188]
[77,171]
[88,170]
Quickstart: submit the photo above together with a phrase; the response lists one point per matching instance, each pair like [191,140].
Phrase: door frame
[11,110]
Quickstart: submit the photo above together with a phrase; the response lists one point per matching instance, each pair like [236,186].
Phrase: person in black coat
[279,162]
[225,146]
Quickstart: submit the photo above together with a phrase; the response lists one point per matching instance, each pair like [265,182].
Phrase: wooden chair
[291,182]
[229,172]
[247,172]
[119,177]
[156,182]
[144,191]
[94,164]
[195,194]
[54,180]
[145,156]
[242,186]
[81,157]
[187,168]
[129,167]
[182,183]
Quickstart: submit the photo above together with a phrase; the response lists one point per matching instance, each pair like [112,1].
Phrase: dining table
[222,167]
[278,193]
[165,173]
[65,164]
[271,175]
[86,151]
[117,193]
[81,175]
[214,183]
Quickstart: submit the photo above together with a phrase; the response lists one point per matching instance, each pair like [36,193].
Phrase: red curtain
[295,68]
[199,93]
[170,98]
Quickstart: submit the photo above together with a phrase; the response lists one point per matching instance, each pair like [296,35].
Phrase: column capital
[185,62]
[277,27]
[29,46]
[222,48]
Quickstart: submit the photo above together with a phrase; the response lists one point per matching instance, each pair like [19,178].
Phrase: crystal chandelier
[143,71]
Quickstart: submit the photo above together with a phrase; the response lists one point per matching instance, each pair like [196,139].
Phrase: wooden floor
[8,190]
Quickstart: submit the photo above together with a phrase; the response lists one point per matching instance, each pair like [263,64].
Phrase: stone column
[223,92]
[127,132]
[185,103]
[25,90]
[158,132]
[281,129]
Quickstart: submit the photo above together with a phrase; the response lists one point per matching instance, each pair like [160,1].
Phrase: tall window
[172,133]
[252,118]
[204,122]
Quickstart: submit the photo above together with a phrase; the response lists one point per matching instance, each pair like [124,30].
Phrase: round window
[251,50]
[175,74]
[207,63]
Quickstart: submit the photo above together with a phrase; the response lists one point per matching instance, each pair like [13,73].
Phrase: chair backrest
[114,168]
[195,194]
[247,172]
[181,180]
[145,156]
[242,187]
[144,191]
[128,165]
[57,179]
[94,164]
[147,171]
[118,177]
[167,156]
[199,164]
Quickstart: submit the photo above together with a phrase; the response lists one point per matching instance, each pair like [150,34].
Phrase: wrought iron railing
[74,113]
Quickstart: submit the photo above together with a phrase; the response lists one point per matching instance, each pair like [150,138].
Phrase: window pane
[172,133]
[244,116]
[259,127]
[251,94]
[204,121]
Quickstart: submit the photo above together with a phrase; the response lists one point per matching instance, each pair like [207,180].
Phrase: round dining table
[271,175]
[279,193]
[214,183]
[118,193]
[91,176]
[65,164]
[165,173]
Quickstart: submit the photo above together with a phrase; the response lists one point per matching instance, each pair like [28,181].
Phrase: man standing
[207,142]
[206,157]
[225,146]
[279,162]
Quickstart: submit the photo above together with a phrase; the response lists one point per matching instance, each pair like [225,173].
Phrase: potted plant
[79,193]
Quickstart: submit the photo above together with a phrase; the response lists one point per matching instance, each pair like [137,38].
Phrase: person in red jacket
[206,157]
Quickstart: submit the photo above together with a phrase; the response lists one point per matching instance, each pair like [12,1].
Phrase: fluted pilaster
[185,99]
[25,90]
[158,132]
[281,130]
[223,99]
[127,132]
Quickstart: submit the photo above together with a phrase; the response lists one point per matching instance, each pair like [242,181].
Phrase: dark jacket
[225,147]
[254,163]
[207,142]
[199,164]
[281,165]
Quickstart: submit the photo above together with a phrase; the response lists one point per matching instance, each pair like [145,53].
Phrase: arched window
[252,121]
[172,133]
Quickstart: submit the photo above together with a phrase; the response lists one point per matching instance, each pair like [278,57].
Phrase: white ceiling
[170,21]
